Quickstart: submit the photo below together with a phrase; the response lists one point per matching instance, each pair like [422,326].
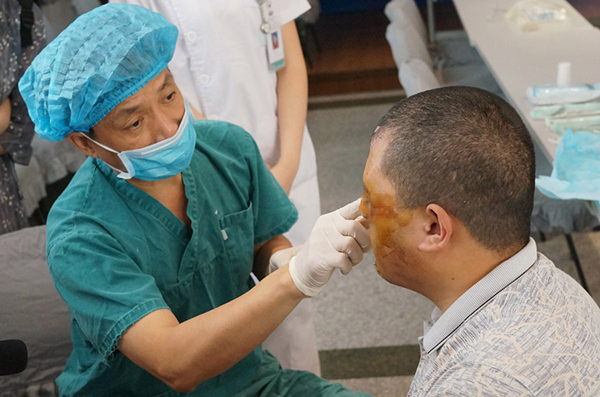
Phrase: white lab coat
[221,67]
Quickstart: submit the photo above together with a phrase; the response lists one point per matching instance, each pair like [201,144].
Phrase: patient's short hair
[468,151]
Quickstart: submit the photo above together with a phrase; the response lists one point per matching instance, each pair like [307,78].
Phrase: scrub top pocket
[237,230]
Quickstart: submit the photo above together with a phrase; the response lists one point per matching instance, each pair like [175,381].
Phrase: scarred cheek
[382,251]
[387,224]
[382,246]
[404,217]
[385,229]
[384,226]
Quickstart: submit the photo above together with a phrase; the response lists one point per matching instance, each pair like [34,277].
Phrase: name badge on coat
[275,53]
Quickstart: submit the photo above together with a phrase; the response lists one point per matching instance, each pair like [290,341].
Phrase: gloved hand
[338,240]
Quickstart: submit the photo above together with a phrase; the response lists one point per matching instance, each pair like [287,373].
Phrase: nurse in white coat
[223,69]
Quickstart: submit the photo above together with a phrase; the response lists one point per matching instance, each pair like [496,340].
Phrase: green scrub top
[116,254]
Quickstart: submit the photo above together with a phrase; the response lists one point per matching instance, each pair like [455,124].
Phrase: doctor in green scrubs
[153,243]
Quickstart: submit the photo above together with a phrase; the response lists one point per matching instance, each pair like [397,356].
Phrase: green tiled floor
[369,362]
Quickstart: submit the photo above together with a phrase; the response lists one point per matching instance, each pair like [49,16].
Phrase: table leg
[431,21]
[575,258]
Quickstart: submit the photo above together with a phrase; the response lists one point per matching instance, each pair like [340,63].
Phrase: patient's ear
[82,143]
[437,228]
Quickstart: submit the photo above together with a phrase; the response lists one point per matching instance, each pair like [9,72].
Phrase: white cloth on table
[566,216]
[221,67]
[406,12]
[416,76]
[406,43]
[457,63]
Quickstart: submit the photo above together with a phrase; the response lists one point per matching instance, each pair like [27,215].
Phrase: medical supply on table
[85,80]
[566,110]
[528,15]
[577,116]
[590,123]
[576,172]
[564,73]
[160,160]
[558,94]
[328,247]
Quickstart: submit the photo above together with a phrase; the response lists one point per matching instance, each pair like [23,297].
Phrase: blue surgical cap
[102,58]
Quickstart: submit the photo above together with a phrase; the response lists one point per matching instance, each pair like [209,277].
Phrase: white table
[477,15]
[520,59]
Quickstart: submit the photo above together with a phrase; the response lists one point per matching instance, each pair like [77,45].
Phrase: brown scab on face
[385,218]
[380,208]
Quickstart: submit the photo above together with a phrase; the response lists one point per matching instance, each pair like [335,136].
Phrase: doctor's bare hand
[338,240]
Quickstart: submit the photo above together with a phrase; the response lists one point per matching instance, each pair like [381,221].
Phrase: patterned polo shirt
[525,329]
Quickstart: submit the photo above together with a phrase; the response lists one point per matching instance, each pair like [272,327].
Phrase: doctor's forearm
[185,355]
[292,98]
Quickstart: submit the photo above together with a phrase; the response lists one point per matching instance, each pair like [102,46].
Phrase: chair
[32,310]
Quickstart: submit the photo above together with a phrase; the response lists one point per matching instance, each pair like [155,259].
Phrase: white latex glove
[282,257]
[338,240]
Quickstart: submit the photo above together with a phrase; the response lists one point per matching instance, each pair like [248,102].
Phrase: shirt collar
[444,325]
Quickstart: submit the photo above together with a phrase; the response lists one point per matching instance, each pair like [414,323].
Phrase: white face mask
[162,159]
